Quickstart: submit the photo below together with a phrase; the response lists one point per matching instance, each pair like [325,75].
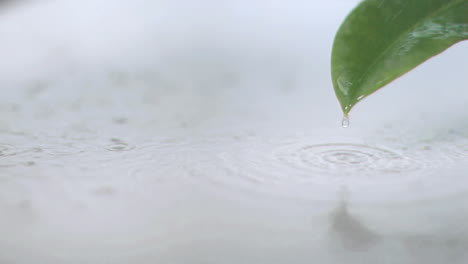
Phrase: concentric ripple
[342,157]
[118,145]
[11,156]
[7,150]
[301,168]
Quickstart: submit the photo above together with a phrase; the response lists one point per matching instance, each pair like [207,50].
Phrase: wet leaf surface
[381,40]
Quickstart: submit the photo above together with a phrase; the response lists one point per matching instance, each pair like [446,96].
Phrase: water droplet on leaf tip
[345,122]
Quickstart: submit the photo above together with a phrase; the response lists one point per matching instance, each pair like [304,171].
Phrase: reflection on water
[361,243]
[353,234]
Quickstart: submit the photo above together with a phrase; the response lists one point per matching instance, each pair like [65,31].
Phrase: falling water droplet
[345,122]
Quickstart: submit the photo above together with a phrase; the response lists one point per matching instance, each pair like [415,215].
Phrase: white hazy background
[181,131]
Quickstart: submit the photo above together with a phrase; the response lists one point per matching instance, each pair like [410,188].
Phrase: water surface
[179,133]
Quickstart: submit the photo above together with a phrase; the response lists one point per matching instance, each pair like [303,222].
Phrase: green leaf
[381,40]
